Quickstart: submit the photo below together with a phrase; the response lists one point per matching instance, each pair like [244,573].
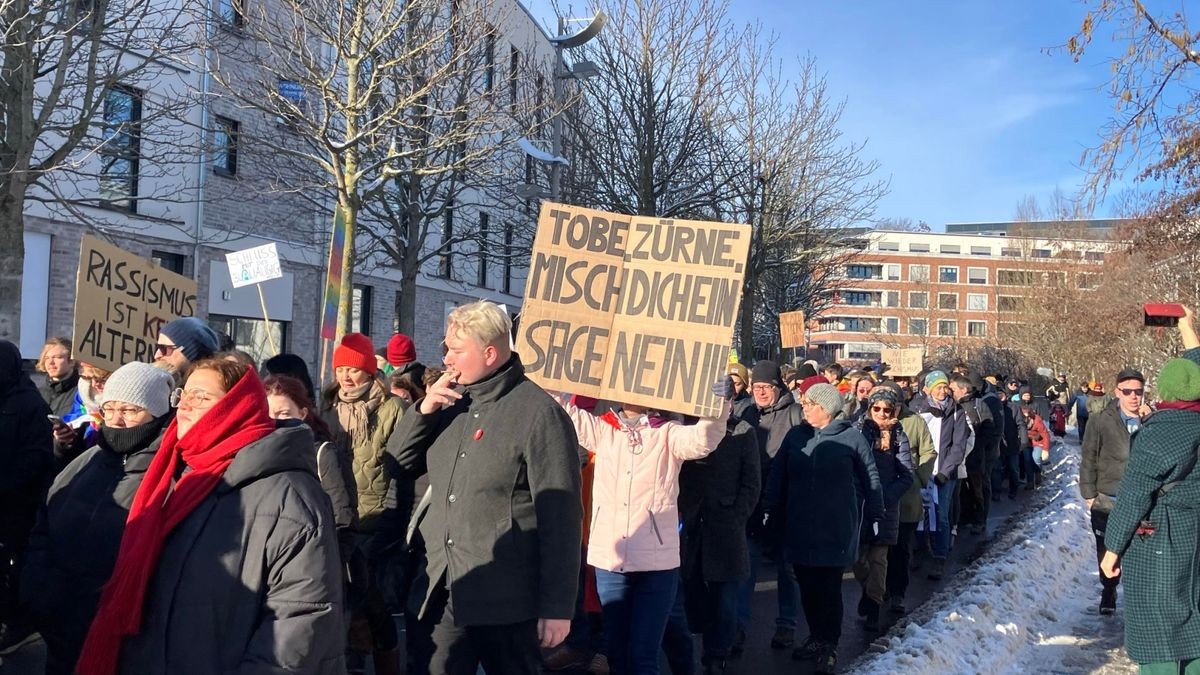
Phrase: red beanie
[808,383]
[400,350]
[356,351]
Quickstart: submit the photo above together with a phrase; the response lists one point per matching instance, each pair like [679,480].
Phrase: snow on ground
[1029,605]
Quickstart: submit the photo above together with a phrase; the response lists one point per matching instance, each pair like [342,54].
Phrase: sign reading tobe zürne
[633,309]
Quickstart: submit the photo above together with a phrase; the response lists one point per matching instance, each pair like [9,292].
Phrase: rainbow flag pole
[333,281]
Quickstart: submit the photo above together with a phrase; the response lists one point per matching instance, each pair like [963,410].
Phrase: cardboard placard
[905,362]
[791,330]
[121,301]
[631,308]
[254,265]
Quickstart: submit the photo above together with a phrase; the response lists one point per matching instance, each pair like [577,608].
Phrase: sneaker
[1108,602]
[937,569]
[826,660]
[13,637]
[784,638]
[808,651]
[897,605]
[564,657]
[739,643]
[598,665]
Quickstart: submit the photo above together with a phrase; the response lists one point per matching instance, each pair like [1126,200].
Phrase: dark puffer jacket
[60,395]
[1104,456]
[981,417]
[26,457]
[895,468]
[251,580]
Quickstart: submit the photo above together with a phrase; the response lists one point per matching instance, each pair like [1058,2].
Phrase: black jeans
[898,561]
[1007,469]
[1099,524]
[821,598]
[460,650]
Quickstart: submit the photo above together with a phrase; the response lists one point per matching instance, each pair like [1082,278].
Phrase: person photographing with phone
[503,528]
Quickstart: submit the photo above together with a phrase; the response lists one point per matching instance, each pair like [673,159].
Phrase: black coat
[895,469]
[717,494]
[982,418]
[60,395]
[503,531]
[819,483]
[26,456]
[1104,455]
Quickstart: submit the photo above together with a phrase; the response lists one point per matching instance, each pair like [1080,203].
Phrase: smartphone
[1161,314]
[56,420]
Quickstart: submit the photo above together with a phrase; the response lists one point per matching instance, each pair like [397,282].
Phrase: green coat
[371,476]
[1160,572]
[920,444]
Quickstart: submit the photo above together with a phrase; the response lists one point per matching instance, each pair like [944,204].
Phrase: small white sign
[253,265]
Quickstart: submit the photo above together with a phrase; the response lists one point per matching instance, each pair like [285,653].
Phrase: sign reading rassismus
[632,308]
[121,301]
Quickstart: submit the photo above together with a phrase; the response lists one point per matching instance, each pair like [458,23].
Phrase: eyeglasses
[165,350]
[806,402]
[1131,392]
[763,387]
[92,379]
[195,397]
[882,408]
[127,412]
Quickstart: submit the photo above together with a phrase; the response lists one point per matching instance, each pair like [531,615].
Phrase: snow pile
[1002,606]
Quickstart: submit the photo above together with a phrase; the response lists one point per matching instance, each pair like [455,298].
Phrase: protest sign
[791,330]
[903,362]
[253,265]
[633,309]
[121,301]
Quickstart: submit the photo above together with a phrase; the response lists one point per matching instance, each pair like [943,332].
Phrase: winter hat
[739,370]
[934,378]
[400,350]
[1179,380]
[140,384]
[767,371]
[1025,390]
[292,366]
[195,339]
[827,396]
[355,351]
[811,381]
[1130,374]
[886,394]
[805,371]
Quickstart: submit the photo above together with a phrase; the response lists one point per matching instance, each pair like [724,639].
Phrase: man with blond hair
[504,523]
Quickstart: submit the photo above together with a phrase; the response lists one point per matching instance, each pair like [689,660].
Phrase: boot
[1108,601]
[714,666]
[897,605]
[827,660]
[871,625]
[387,662]
[739,643]
[937,569]
[784,638]
[808,651]
[864,605]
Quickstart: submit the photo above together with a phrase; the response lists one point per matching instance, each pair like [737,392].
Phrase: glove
[723,388]
[940,480]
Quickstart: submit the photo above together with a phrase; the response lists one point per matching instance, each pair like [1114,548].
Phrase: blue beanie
[935,378]
[197,340]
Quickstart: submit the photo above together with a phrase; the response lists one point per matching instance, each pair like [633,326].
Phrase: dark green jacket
[378,493]
[1104,454]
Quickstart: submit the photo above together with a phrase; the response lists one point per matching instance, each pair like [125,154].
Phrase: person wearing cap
[1104,455]
[74,545]
[1152,530]
[362,415]
[182,342]
[952,437]
[741,387]
[841,494]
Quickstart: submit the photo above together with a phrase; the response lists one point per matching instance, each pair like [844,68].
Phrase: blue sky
[960,102]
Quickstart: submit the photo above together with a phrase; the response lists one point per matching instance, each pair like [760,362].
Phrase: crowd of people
[206,514]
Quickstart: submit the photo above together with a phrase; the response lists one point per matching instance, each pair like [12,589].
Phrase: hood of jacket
[289,448]
[835,427]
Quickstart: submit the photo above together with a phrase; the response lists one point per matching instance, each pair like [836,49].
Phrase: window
[231,13]
[977,329]
[859,325]
[489,60]
[892,299]
[918,300]
[121,150]
[1055,279]
[947,327]
[856,298]
[863,271]
[947,300]
[918,273]
[360,310]
[446,257]
[892,325]
[481,280]
[1014,278]
[948,275]
[1094,256]
[514,64]
[1089,281]
[508,253]
[1010,252]
[893,272]
[918,327]
[225,137]
[950,249]
[977,302]
[1008,303]
[918,248]
[252,336]
[977,275]
[981,250]
[1041,253]
[889,246]
[169,261]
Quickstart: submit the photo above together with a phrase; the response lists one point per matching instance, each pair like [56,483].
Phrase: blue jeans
[677,641]
[636,608]
[721,607]
[941,538]
[788,593]
[1032,466]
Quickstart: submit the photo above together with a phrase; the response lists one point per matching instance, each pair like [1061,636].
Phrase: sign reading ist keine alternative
[121,301]
[632,308]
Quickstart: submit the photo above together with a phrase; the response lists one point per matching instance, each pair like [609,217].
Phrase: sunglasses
[1131,392]
[166,350]
[882,408]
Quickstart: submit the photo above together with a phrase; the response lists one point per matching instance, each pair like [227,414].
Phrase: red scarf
[1193,406]
[240,418]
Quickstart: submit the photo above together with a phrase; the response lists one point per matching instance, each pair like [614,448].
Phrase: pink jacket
[635,520]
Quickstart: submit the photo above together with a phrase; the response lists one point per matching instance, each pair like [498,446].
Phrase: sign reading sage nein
[632,308]
[121,301]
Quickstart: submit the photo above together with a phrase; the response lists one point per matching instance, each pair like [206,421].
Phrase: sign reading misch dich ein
[631,308]
[121,301]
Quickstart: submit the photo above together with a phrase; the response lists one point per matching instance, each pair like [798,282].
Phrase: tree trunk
[12,261]
[746,320]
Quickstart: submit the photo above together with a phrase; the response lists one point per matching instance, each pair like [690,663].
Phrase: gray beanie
[140,384]
[827,396]
[196,339]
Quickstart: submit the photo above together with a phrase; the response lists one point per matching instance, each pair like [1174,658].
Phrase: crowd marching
[206,514]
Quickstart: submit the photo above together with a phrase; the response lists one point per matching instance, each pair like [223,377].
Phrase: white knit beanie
[140,384]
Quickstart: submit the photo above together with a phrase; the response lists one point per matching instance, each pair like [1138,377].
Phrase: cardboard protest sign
[121,301]
[631,308]
[254,265]
[791,330]
[904,362]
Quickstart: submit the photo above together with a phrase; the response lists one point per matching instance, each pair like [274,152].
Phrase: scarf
[240,418]
[354,409]
[1193,406]
[128,440]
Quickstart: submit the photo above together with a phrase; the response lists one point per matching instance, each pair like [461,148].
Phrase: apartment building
[928,289]
[186,218]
